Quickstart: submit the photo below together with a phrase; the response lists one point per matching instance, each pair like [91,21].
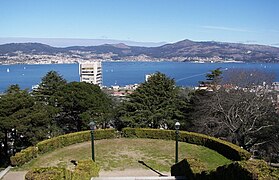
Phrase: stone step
[141,178]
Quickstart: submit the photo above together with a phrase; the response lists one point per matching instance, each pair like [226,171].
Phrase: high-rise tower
[91,72]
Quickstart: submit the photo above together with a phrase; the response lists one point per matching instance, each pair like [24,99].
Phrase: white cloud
[222,28]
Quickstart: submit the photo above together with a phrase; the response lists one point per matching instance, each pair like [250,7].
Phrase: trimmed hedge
[48,145]
[73,138]
[260,169]
[46,173]
[24,156]
[227,149]
[244,170]
[84,170]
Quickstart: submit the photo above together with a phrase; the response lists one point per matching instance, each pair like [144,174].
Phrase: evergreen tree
[49,85]
[79,103]
[213,79]
[22,121]
[154,104]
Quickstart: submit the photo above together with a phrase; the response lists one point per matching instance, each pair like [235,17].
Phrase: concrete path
[131,173]
[15,175]
[140,178]
[134,174]
[5,171]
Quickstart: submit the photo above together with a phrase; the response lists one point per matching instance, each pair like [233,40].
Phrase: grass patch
[124,153]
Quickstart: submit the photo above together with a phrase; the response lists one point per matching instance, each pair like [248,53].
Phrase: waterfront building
[275,86]
[91,72]
[147,76]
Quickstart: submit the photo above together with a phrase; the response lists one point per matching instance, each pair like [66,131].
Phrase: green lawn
[120,154]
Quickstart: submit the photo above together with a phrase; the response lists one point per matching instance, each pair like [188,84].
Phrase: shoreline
[120,61]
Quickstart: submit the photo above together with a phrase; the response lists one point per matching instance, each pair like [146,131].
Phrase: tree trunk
[6,144]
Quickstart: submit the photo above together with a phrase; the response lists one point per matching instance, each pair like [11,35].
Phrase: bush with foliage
[260,169]
[84,170]
[24,156]
[251,169]
[225,148]
[46,173]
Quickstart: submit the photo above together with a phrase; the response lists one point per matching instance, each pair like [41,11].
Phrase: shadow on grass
[160,174]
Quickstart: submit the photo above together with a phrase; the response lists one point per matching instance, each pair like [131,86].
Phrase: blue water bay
[122,73]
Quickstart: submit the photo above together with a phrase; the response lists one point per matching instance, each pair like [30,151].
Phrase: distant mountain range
[185,50]
[66,42]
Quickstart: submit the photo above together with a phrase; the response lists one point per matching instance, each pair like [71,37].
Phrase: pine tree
[154,104]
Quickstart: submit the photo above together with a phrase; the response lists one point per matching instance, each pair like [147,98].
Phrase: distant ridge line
[185,50]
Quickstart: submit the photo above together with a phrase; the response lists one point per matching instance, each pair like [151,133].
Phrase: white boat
[8,70]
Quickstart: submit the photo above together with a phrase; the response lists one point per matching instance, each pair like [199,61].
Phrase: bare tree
[248,77]
[244,118]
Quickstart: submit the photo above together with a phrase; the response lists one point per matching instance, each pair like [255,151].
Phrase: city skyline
[252,22]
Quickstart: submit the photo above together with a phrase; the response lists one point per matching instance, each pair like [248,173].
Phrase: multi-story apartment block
[91,72]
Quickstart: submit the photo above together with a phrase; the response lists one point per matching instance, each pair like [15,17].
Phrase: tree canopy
[22,121]
[154,103]
[56,107]
[50,84]
[80,102]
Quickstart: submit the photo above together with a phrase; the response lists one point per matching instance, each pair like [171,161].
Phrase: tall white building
[91,72]
[147,76]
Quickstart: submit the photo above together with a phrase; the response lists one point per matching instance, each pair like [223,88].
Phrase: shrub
[260,169]
[251,169]
[57,142]
[84,170]
[225,148]
[182,168]
[47,173]
[149,133]
[24,155]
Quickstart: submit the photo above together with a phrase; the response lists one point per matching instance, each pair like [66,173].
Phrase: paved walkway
[140,178]
[5,171]
[15,175]
[19,175]
[130,172]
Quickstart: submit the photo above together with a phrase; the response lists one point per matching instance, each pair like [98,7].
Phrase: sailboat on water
[8,70]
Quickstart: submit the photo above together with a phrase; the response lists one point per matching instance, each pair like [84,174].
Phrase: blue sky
[246,21]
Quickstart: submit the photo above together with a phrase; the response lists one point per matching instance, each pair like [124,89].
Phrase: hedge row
[244,170]
[225,148]
[84,170]
[260,169]
[73,138]
[24,156]
[57,142]
[47,173]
